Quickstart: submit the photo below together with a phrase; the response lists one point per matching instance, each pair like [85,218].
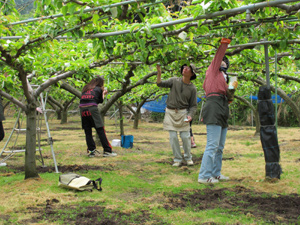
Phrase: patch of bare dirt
[66,128]
[94,213]
[269,207]
[61,169]
[196,159]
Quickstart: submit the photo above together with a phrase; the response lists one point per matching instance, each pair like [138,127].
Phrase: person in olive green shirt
[2,134]
[181,107]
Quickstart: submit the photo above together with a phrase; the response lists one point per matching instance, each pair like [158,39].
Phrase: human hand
[225,40]
[105,90]
[188,119]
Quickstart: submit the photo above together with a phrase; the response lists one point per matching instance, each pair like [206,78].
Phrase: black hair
[226,60]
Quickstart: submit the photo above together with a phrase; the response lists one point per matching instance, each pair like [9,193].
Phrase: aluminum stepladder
[42,110]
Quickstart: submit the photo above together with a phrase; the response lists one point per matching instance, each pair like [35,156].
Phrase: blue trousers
[212,159]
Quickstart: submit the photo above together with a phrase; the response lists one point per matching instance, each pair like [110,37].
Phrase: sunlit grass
[142,177]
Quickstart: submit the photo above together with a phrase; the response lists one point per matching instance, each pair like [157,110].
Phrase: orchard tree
[71,39]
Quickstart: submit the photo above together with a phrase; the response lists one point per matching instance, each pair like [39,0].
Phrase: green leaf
[134,27]
[58,3]
[47,2]
[283,44]
[159,37]
[65,10]
[141,17]
[95,19]
[72,8]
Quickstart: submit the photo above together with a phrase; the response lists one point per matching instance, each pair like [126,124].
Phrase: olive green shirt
[1,111]
[181,95]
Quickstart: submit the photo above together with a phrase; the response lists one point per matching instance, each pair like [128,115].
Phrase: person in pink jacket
[215,116]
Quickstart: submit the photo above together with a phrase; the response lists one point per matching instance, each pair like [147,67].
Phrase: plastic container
[233,83]
[116,143]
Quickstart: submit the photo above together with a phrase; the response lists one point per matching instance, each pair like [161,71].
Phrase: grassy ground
[141,187]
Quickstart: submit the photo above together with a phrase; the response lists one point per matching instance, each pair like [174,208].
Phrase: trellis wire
[205,16]
[289,19]
[78,12]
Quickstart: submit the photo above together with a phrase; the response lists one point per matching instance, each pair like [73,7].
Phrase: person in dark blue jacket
[92,94]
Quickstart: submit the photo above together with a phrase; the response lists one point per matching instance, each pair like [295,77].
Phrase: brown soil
[196,159]
[94,213]
[272,209]
[61,169]
[238,200]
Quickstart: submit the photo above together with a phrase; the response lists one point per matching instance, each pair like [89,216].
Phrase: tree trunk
[58,114]
[64,118]
[56,106]
[65,108]
[30,152]
[137,117]
[121,118]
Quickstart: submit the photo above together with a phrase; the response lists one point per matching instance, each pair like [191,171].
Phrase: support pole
[276,88]
[267,66]
[48,131]
[251,111]
[15,125]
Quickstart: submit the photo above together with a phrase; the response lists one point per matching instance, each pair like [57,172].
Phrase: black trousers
[2,134]
[191,131]
[102,135]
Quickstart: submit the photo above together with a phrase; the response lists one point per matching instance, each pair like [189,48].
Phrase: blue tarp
[279,99]
[159,105]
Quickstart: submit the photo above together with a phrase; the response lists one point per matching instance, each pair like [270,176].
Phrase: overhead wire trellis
[83,11]
[238,10]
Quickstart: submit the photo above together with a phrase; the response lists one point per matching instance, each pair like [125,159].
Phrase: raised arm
[216,62]
[158,79]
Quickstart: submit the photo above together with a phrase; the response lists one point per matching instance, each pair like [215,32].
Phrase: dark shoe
[91,153]
[109,154]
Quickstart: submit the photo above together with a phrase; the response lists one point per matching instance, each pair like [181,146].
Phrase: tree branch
[70,89]
[13,100]
[53,80]
[286,77]
[288,8]
[50,98]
